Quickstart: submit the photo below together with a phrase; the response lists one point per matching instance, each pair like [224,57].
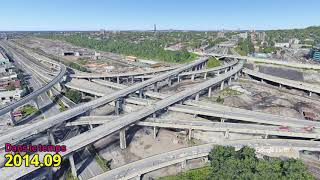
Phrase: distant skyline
[84,15]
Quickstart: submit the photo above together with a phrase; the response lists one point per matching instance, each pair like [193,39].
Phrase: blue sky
[167,14]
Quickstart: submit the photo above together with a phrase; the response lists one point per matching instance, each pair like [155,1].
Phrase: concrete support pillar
[280,85]
[229,81]
[154,132]
[132,79]
[12,119]
[169,81]
[50,93]
[155,87]
[205,75]
[141,95]
[261,80]
[209,91]
[197,96]
[90,126]
[266,136]
[183,164]
[226,134]
[236,76]
[36,102]
[192,77]
[51,137]
[118,106]
[179,78]
[221,86]
[225,70]
[123,143]
[118,79]
[189,134]
[49,173]
[222,120]
[109,79]
[218,73]
[310,93]
[72,166]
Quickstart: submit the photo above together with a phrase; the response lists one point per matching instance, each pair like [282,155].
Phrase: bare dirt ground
[267,98]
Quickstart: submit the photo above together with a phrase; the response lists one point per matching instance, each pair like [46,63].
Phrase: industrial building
[315,53]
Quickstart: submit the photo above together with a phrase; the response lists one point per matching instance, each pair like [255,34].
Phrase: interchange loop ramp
[86,138]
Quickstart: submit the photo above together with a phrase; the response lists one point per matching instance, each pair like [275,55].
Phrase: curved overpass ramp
[282,81]
[36,93]
[138,168]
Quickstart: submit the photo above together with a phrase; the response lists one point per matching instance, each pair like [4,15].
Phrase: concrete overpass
[206,72]
[193,124]
[138,168]
[284,82]
[120,124]
[45,124]
[267,61]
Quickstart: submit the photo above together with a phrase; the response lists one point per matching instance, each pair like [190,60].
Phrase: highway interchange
[149,111]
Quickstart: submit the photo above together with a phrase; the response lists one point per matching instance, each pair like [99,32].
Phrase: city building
[10,96]
[220,34]
[243,35]
[3,59]
[315,53]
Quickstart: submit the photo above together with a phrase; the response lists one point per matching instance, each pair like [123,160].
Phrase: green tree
[74,95]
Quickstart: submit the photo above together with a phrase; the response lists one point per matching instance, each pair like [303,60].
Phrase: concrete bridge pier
[12,119]
[280,85]
[36,102]
[169,81]
[197,96]
[227,134]
[183,164]
[222,120]
[310,93]
[266,136]
[221,86]
[261,80]
[51,137]
[118,106]
[118,79]
[132,79]
[189,134]
[205,75]
[122,136]
[90,126]
[225,70]
[155,87]
[209,91]
[141,94]
[49,173]
[179,79]
[155,132]
[229,81]
[192,77]
[72,166]
[218,73]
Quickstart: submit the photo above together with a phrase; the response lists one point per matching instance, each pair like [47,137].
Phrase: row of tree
[148,49]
